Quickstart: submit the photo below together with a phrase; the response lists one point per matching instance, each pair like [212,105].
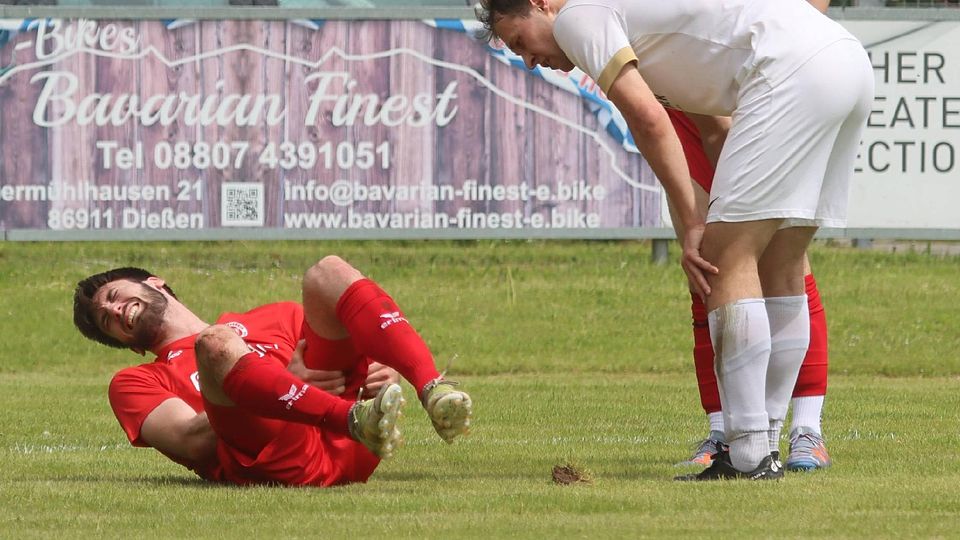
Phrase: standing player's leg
[740,332]
[231,375]
[807,447]
[703,357]
[339,302]
[781,271]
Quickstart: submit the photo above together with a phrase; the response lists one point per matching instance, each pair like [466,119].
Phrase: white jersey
[694,54]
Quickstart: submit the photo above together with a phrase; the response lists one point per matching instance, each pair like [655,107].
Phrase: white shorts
[790,151]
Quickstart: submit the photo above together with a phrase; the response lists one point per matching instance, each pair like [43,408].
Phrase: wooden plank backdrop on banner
[20,165]
[493,140]
[414,166]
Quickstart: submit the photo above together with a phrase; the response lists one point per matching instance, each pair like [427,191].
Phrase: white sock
[773,434]
[789,318]
[740,333]
[806,412]
[716,421]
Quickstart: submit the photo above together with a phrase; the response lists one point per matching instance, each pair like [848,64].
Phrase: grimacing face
[131,312]
[530,36]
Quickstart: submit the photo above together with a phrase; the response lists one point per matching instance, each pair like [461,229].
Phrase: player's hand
[695,266]
[378,375]
[332,382]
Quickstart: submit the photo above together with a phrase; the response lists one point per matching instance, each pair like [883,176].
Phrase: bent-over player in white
[797,87]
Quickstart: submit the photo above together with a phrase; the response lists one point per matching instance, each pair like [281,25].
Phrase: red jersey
[271,330]
[700,168]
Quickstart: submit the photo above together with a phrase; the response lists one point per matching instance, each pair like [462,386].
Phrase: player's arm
[713,133]
[334,382]
[174,428]
[657,141]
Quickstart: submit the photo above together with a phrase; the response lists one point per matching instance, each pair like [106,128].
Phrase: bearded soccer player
[807,448]
[222,399]
[798,89]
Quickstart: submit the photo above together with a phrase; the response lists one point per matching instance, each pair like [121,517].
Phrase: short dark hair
[83,309]
[489,11]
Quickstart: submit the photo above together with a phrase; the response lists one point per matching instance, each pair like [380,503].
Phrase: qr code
[241,204]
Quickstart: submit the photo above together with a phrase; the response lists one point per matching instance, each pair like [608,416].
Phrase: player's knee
[329,266]
[330,273]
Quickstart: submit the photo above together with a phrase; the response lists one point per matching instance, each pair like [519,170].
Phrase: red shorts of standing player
[807,450]
[269,395]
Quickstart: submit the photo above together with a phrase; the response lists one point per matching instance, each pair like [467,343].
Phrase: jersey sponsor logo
[389,319]
[262,348]
[195,379]
[240,329]
[173,354]
[293,395]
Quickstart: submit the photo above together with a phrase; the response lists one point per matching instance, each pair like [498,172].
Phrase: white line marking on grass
[27,448]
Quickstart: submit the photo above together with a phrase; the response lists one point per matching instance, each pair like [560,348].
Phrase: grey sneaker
[807,450]
[705,450]
[373,422]
[449,409]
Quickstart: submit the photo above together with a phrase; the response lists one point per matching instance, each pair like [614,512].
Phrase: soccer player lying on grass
[807,448]
[222,401]
[798,89]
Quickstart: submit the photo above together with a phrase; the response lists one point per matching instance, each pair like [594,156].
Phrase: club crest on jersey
[390,319]
[240,329]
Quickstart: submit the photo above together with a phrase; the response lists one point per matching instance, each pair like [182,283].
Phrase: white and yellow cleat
[375,422]
[449,409]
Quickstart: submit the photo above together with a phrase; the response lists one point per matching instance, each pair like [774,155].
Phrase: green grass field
[574,352]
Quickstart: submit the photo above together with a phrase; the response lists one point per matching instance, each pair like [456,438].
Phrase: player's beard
[147,332]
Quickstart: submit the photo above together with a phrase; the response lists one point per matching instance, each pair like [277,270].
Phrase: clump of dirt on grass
[570,474]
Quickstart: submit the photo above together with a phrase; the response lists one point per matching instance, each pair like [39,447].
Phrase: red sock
[265,388]
[703,357]
[379,330]
[812,380]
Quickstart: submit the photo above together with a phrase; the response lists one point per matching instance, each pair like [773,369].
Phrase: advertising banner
[319,125]
[908,171]
[375,126]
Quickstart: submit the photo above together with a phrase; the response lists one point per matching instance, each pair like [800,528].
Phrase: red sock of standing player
[264,387]
[812,380]
[703,357]
[379,330]
[811,384]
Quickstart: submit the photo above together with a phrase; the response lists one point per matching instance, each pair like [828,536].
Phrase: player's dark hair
[489,11]
[84,317]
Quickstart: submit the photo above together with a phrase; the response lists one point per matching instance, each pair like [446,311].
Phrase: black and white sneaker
[722,469]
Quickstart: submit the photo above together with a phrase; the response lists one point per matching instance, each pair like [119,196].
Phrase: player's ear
[155,282]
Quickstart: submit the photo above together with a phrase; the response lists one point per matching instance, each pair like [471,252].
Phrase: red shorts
[257,450]
[253,449]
